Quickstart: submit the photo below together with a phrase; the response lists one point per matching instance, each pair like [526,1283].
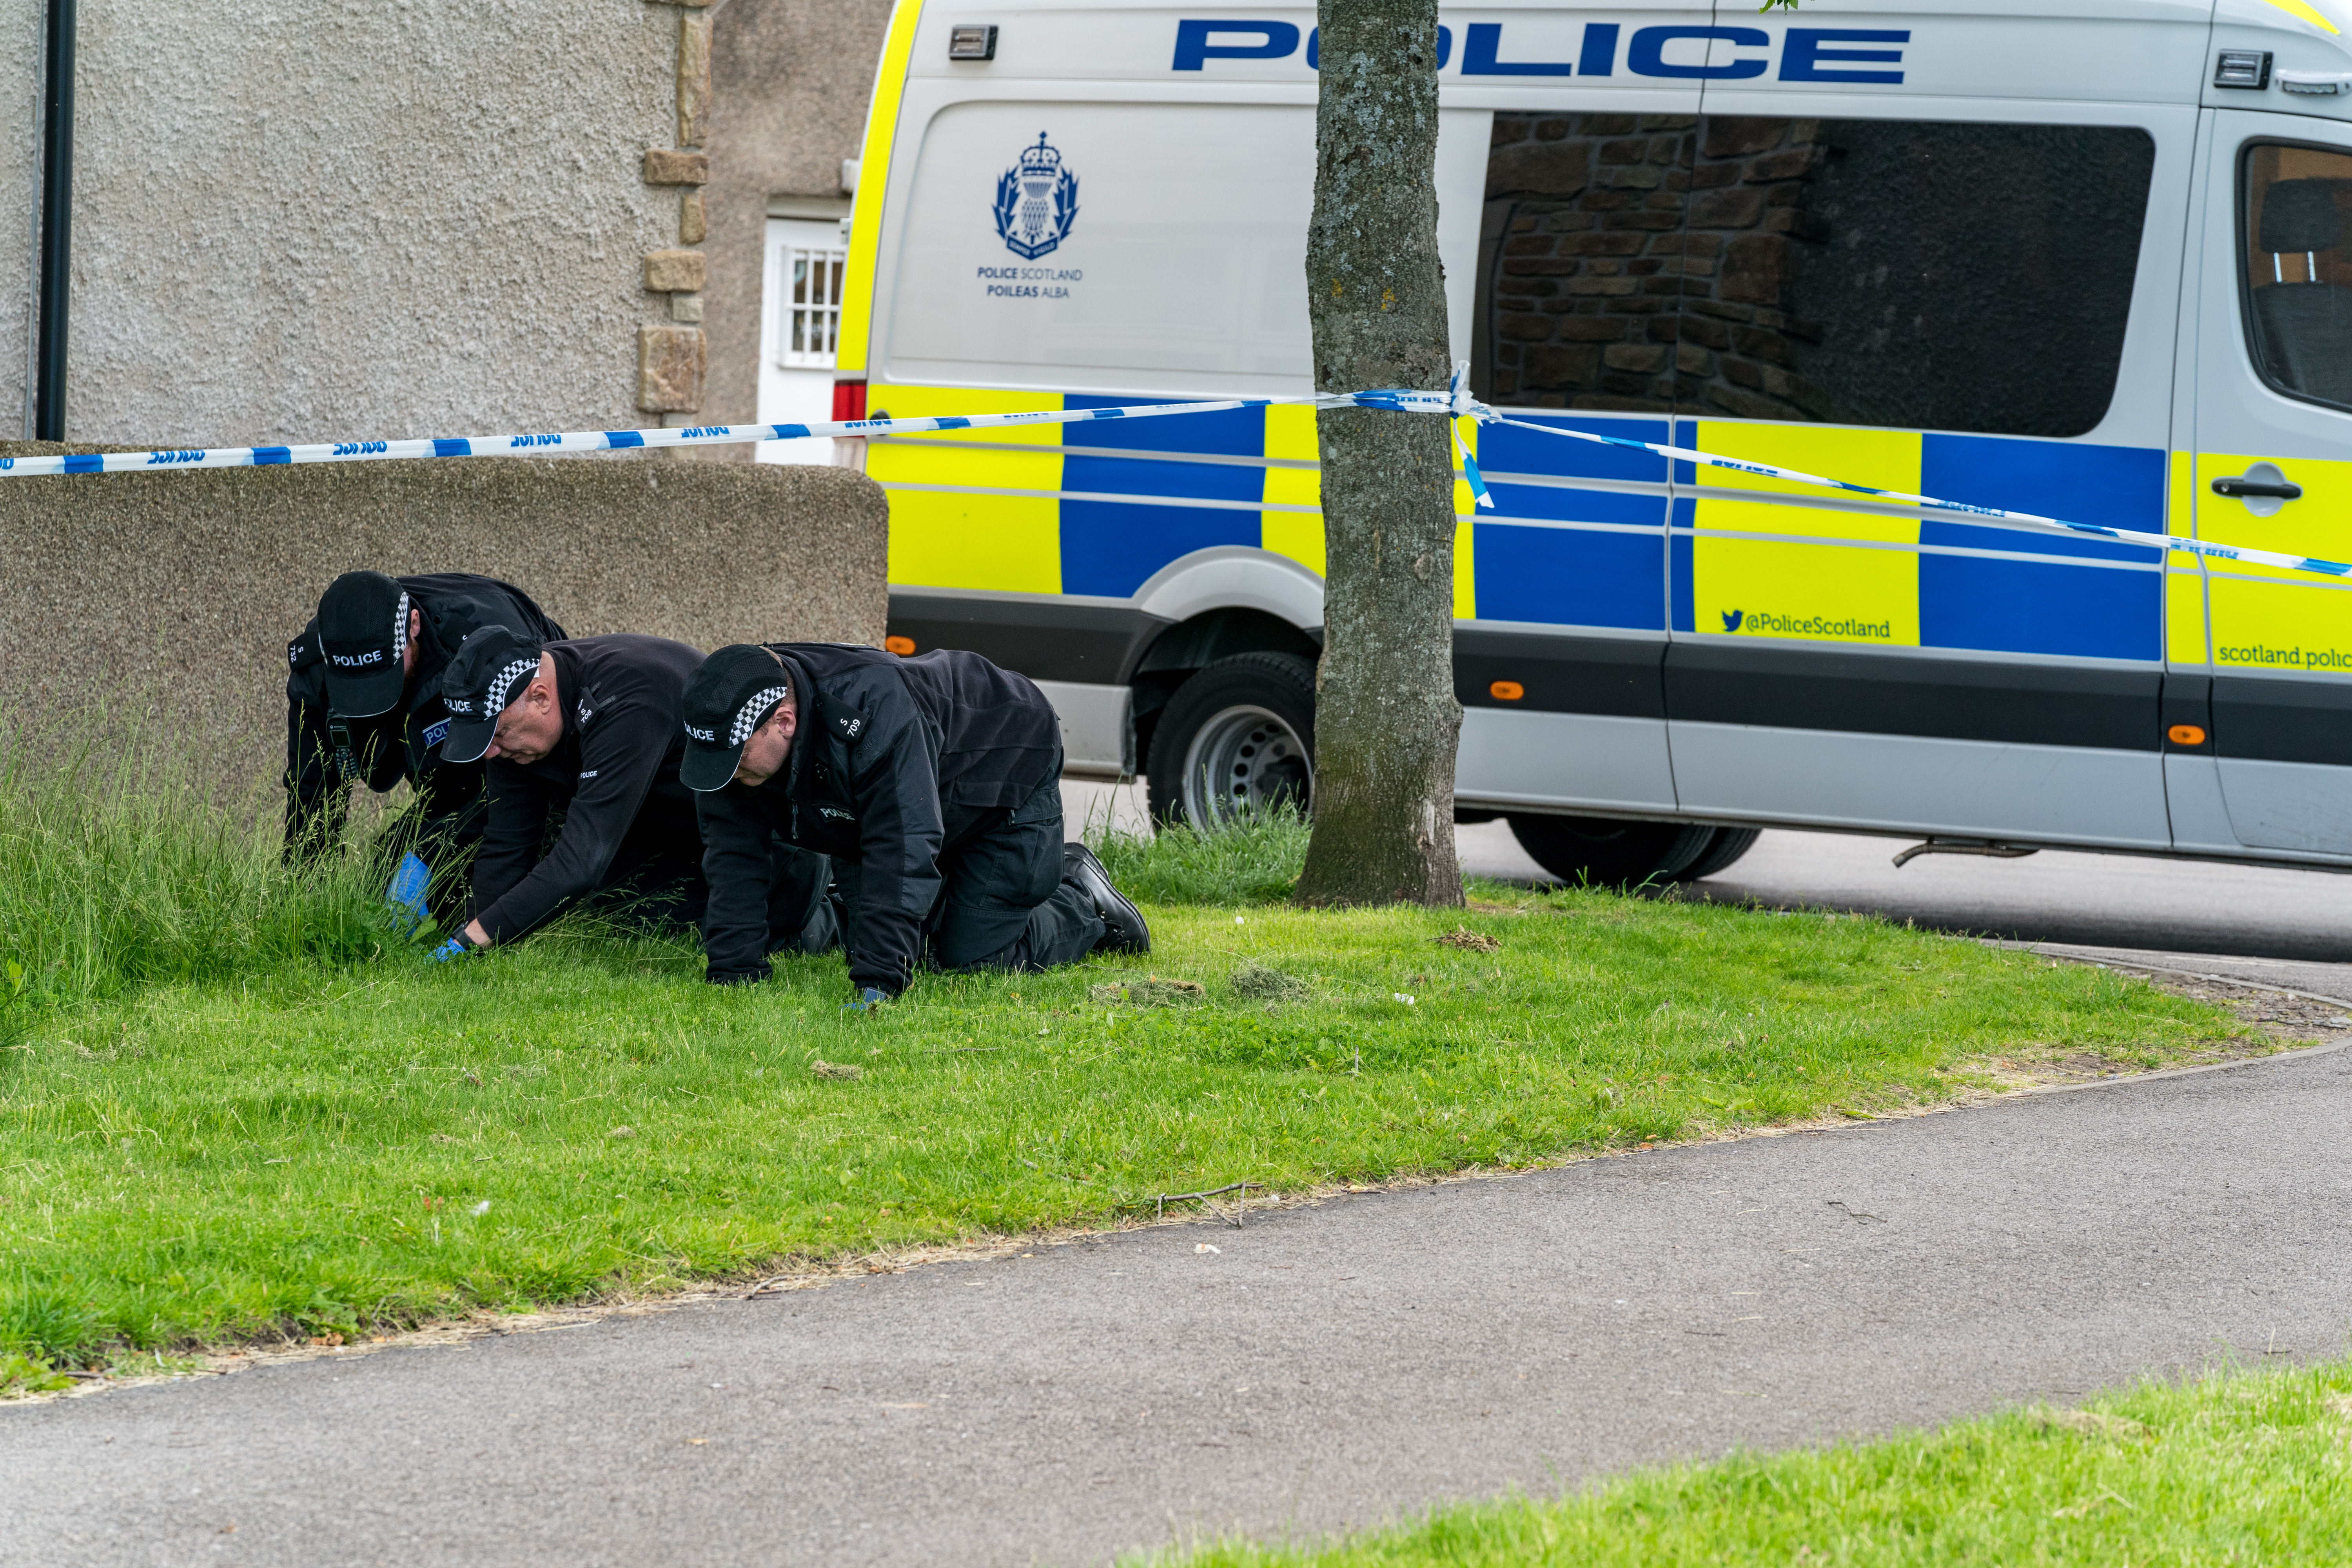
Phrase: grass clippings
[1254,981]
[1152,991]
[1470,940]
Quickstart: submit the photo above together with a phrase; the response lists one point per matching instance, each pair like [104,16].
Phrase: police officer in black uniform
[588,730]
[934,786]
[363,704]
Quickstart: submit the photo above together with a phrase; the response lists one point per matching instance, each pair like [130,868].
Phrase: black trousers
[1002,904]
[654,881]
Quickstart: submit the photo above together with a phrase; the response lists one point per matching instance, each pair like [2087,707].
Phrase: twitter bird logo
[1731,620]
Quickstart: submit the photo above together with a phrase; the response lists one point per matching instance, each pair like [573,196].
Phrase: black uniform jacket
[895,762]
[407,742]
[623,699]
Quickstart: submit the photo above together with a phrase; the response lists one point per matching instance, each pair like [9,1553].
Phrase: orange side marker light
[2186,735]
[1507,691]
[899,646]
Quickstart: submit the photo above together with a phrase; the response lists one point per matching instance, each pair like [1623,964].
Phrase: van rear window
[1917,274]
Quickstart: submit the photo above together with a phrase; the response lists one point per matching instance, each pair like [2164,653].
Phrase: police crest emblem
[1036,201]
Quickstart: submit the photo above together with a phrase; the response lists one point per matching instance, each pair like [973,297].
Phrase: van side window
[1915,274]
[2298,276]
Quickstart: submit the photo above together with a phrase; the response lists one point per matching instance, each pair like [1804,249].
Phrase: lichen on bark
[1386,721]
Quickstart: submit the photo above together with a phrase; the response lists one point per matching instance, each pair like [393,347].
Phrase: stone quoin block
[693,228]
[675,272]
[693,77]
[671,364]
[669,166]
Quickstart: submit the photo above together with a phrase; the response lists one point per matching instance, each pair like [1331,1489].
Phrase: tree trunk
[1385,720]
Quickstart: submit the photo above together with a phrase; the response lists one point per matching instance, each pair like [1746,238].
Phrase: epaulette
[845,721]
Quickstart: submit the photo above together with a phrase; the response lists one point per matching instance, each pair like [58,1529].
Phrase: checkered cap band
[400,628]
[504,679]
[748,718]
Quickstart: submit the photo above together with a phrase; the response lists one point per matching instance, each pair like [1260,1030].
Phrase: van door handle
[2246,485]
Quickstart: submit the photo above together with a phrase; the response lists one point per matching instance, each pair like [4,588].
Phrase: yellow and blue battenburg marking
[1607,521]
[1893,576]
[1096,507]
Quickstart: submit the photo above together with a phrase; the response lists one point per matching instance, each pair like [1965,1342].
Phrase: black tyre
[1730,844]
[1609,852]
[1237,738]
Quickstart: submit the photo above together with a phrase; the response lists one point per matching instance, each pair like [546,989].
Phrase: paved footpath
[1323,1367]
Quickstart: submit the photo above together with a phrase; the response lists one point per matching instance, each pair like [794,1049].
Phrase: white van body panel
[2063,794]
[1233,576]
[1097,728]
[1564,762]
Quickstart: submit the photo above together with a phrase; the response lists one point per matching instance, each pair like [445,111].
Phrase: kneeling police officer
[363,704]
[587,729]
[934,786]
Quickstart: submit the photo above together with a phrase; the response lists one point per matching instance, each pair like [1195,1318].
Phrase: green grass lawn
[328,1140]
[232,1105]
[2243,1468]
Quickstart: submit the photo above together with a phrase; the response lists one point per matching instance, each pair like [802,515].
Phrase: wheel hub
[1242,763]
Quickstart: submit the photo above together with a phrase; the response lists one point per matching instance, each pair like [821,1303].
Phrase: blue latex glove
[455,947]
[867,1000]
[405,896]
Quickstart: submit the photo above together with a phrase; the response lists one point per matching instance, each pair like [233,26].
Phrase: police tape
[541,444]
[1455,401]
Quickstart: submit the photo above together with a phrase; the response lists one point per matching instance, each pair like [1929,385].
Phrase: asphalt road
[2267,924]
[1322,1367]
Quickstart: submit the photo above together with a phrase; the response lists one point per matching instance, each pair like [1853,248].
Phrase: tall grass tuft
[117,870]
[1253,861]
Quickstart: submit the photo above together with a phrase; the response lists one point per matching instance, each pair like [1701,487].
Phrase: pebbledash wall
[21,24]
[347,219]
[163,601]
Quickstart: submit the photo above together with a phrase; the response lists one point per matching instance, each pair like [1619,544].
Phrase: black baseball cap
[493,668]
[363,631]
[731,696]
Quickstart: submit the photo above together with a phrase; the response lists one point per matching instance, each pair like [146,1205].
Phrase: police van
[2081,258]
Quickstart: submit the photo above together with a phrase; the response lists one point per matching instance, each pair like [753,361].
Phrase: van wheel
[1730,844]
[1608,852]
[1237,740]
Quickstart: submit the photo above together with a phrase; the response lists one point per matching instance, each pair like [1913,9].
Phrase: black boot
[1123,927]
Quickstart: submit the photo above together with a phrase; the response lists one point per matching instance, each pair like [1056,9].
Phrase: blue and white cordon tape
[1456,402]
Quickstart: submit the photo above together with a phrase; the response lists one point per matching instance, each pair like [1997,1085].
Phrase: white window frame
[817,314]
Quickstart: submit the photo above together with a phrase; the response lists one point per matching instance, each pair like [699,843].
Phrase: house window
[808,328]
